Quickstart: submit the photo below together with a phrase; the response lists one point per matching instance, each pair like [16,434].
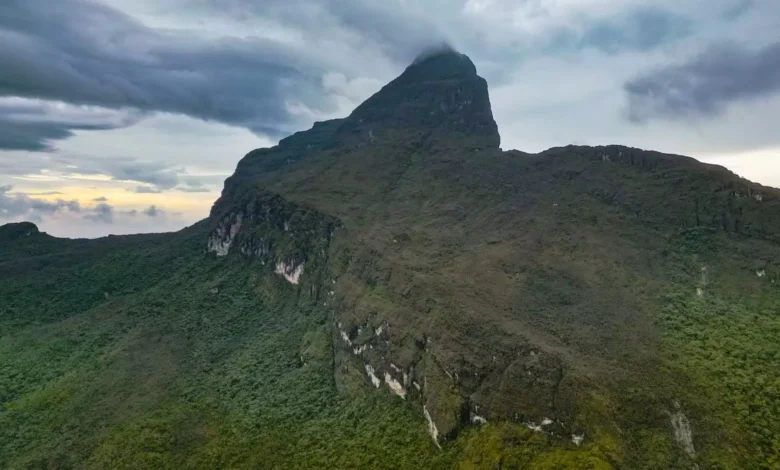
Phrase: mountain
[392,290]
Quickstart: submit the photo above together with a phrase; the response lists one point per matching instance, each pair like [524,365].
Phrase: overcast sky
[125,116]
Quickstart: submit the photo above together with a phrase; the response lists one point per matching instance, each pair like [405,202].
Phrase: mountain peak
[442,61]
[439,97]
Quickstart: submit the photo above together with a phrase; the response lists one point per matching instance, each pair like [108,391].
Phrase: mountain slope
[585,307]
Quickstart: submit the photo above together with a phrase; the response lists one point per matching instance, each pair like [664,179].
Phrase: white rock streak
[371,375]
[682,431]
[290,272]
[222,238]
[395,386]
[432,430]
[477,419]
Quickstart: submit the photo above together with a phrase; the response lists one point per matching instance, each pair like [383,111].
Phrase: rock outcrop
[14,231]
[439,98]
[292,239]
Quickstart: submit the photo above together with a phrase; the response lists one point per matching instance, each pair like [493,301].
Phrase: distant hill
[392,290]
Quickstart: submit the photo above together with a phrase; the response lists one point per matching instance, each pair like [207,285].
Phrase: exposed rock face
[291,272]
[432,429]
[222,237]
[440,95]
[682,431]
[267,228]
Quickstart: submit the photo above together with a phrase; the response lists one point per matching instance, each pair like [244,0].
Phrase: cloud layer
[273,66]
[90,55]
[22,206]
[15,205]
[722,74]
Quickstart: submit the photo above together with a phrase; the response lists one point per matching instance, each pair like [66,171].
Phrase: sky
[126,116]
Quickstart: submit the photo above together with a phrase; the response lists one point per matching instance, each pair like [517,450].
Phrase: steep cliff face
[291,239]
[486,286]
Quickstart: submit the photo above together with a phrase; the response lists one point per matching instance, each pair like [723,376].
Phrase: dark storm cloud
[399,29]
[38,136]
[21,205]
[88,54]
[32,124]
[153,211]
[101,213]
[704,86]
[30,136]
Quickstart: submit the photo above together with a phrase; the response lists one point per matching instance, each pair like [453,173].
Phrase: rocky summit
[392,290]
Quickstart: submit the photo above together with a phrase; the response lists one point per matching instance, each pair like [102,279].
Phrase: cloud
[155,176]
[153,211]
[88,54]
[101,213]
[45,193]
[159,175]
[32,124]
[100,199]
[193,189]
[641,30]
[394,28]
[145,190]
[19,205]
[271,66]
[193,185]
[706,84]
[737,9]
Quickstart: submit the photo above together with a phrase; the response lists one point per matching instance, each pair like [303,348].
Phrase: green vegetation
[195,371]
[726,341]
[217,365]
